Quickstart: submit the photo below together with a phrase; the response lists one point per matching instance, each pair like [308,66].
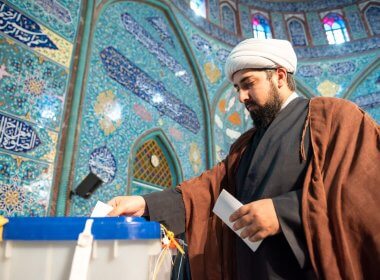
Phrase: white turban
[259,54]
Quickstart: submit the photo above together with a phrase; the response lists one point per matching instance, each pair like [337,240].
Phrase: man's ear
[282,77]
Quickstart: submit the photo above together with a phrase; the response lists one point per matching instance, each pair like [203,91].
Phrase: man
[306,175]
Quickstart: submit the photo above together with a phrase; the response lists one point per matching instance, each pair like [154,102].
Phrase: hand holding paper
[225,205]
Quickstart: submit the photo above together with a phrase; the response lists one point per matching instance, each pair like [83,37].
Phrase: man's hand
[127,205]
[259,219]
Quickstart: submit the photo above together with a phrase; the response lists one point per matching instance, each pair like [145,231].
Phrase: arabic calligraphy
[162,29]
[103,164]
[54,8]
[123,71]
[16,135]
[155,48]
[23,29]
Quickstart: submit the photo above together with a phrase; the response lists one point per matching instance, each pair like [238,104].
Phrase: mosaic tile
[201,44]
[296,6]
[209,28]
[29,33]
[195,157]
[341,71]
[60,16]
[316,29]
[245,21]
[231,119]
[297,33]
[55,9]
[214,11]
[368,101]
[367,94]
[308,71]
[228,18]
[342,68]
[357,30]
[17,136]
[24,186]
[278,26]
[163,30]
[155,48]
[212,72]
[372,16]
[102,163]
[25,139]
[140,83]
[139,117]
[32,88]
[109,112]
[142,112]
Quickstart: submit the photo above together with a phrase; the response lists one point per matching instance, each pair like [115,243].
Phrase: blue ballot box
[78,248]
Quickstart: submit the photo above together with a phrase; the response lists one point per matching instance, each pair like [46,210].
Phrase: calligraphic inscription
[123,71]
[23,29]
[16,135]
[52,7]
[342,68]
[155,48]
[222,54]
[162,29]
[201,44]
[309,71]
[368,101]
[103,164]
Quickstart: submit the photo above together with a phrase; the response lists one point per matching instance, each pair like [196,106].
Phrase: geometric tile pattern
[127,72]
[151,165]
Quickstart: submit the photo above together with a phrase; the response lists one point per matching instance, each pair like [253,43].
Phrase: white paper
[101,210]
[225,205]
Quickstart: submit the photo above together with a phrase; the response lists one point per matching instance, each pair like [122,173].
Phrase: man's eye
[247,86]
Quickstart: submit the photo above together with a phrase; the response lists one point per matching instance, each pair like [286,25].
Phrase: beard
[264,115]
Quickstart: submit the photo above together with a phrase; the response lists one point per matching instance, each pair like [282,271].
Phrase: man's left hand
[258,219]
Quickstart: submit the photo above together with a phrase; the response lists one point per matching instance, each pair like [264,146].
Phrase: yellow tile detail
[328,88]
[64,52]
[212,72]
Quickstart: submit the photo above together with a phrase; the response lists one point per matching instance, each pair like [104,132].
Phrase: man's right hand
[127,205]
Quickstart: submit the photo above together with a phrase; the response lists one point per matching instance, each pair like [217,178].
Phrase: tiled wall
[149,65]
[36,49]
[138,79]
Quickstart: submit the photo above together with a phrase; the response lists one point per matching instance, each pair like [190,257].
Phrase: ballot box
[78,248]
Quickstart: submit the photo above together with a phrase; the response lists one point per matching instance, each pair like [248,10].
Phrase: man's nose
[243,95]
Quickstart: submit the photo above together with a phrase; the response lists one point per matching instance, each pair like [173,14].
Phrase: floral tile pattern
[151,83]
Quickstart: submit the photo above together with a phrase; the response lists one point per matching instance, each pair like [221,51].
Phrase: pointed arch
[228,15]
[153,164]
[335,28]
[261,27]
[81,88]
[297,32]
[372,18]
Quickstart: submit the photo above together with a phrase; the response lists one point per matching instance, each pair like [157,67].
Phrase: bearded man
[306,175]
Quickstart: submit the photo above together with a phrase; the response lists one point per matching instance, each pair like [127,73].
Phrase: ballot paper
[101,210]
[225,205]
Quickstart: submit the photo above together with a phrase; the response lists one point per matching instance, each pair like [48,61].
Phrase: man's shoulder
[242,140]
[331,102]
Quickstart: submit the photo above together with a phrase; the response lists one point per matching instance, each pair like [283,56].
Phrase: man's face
[259,95]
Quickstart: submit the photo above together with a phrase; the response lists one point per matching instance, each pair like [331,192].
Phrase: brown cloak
[340,203]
